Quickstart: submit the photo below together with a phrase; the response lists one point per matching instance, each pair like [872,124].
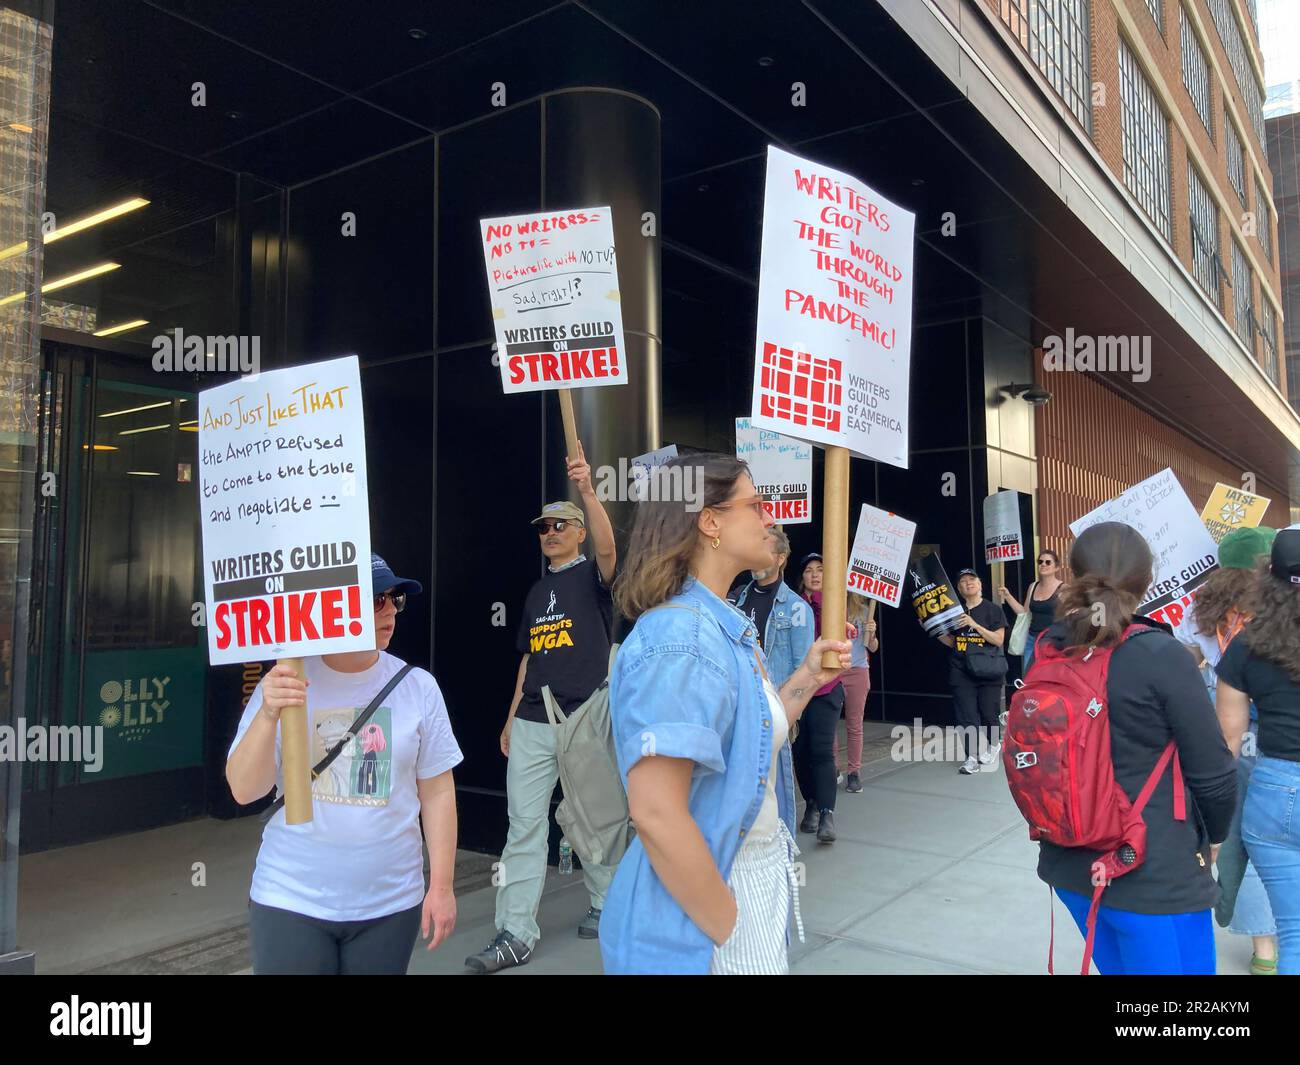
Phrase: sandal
[1262,966]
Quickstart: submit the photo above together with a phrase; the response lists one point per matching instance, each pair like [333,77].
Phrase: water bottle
[566,858]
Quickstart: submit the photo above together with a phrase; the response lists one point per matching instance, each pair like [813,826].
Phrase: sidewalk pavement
[933,872]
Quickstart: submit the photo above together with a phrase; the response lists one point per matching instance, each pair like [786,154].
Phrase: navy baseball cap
[811,556]
[1285,563]
[967,572]
[385,580]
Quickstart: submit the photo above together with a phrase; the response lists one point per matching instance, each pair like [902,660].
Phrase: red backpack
[1057,756]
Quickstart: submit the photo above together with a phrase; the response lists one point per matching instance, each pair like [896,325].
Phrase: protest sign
[935,600]
[285,519]
[286,530]
[1185,553]
[1002,542]
[1231,508]
[553,286]
[781,468]
[834,311]
[643,467]
[881,549]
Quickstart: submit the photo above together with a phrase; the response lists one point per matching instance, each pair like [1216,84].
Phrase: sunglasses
[1046,562]
[398,600]
[755,503]
[544,527]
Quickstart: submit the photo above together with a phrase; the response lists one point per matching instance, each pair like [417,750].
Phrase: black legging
[814,748]
[976,705]
[293,944]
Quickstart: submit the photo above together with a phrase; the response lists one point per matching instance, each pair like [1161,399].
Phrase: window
[1154,6]
[1243,309]
[1196,74]
[1230,34]
[1205,236]
[1268,334]
[1236,158]
[1055,33]
[1146,142]
[1263,220]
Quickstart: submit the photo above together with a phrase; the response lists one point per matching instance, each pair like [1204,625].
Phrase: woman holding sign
[344,893]
[700,731]
[1040,602]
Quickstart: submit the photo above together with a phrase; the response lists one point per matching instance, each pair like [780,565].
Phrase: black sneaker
[504,952]
[826,830]
[810,819]
[589,928]
[854,784]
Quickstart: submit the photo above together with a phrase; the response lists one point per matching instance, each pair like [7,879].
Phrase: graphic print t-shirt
[361,854]
[758,605]
[968,639]
[565,631]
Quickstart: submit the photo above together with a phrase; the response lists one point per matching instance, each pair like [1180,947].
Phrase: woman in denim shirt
[700,735]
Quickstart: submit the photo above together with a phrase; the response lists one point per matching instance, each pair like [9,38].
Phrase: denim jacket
[686,684]
[789,632]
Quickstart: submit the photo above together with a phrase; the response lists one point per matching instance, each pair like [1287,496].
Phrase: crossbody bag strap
[352,732]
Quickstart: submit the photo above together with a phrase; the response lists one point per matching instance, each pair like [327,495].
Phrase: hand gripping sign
[286,530]
[553,286]
[833,349]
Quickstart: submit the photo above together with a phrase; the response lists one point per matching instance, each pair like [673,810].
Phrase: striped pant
[765,883]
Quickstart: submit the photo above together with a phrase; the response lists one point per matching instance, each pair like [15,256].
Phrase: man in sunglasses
[564,640]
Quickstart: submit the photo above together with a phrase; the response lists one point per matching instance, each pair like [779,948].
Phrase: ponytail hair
[1112,566]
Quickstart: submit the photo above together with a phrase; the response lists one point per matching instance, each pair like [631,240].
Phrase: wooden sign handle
[570,424]
[871,610]
[835,549]
[996,576]
[294,755]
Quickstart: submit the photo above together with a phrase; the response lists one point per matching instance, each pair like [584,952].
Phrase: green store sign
[150,706]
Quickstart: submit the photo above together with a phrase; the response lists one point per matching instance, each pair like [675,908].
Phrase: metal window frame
[1145,142]
[1263,221]
[1196,72]
[1243,305]
[1198,195]
[1056,35]
[1236,154]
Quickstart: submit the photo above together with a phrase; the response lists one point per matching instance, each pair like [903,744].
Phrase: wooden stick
[871,610]
[294,757]
[570,424]
[835,549]
[997,576]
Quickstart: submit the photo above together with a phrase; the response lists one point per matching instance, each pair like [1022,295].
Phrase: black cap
[967,572]
[811,556]
[384,579]
[1285,564]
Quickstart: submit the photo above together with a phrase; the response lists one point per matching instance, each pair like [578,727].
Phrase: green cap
[562,509]
[1242,548]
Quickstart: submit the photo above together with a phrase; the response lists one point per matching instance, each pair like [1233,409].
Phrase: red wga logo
[800,388]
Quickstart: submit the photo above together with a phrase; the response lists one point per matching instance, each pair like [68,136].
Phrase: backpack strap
[351,733]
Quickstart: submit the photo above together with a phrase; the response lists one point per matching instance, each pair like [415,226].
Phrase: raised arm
[598,525]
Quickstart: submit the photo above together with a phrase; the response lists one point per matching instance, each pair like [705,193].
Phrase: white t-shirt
[361,854]
[764,826]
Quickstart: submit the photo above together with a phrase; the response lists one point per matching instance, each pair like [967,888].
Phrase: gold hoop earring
[717,542]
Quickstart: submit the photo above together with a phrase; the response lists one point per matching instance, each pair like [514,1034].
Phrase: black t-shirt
[1155,694]
[758,605]
[1276,696]
[967,639]
[1042,613]
[565,631]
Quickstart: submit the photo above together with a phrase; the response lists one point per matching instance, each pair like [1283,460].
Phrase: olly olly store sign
[553,285]
[286,522]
